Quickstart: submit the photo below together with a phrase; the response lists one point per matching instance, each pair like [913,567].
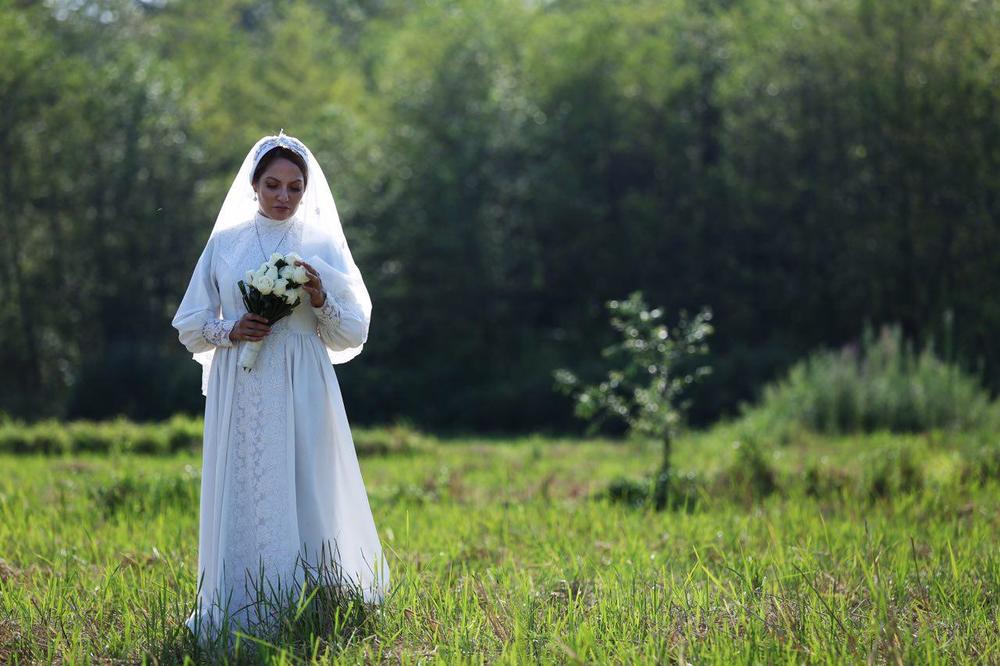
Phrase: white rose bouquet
[272,291]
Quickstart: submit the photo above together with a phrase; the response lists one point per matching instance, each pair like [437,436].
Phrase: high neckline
[269,223]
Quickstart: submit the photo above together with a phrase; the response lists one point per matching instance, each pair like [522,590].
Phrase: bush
[883,384]
[179,433]
[684,491]
[751,475]
[398,439]
[894,471]
[45,437]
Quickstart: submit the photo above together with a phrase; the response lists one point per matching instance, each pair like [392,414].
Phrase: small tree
[653,367]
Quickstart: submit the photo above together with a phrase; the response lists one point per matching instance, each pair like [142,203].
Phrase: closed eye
[273,185]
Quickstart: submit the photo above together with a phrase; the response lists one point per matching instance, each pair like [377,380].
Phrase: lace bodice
[244,248]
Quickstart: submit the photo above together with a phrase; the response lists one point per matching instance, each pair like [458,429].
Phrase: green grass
[500,553]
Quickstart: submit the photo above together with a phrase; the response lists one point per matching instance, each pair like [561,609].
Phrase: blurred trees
[94,144]
[502,169]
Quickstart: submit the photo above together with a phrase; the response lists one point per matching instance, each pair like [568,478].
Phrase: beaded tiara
[282,140]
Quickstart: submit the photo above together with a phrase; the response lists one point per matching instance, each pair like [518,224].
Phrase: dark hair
[275,153]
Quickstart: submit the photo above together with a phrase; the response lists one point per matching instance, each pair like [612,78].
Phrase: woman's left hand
[314,287]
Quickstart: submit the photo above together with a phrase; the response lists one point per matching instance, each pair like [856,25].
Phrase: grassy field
[878,548]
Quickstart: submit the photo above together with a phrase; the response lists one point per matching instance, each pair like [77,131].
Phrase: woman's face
[279,189]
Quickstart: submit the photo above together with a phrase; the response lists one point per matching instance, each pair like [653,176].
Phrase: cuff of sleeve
[217,331]
[329,311]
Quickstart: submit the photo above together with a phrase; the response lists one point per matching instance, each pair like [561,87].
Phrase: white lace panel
[259,534]
[329,313]
[216,331]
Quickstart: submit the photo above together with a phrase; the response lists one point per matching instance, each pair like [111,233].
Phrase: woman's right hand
[250,327]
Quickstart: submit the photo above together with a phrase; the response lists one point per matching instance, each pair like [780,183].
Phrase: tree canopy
[502,168]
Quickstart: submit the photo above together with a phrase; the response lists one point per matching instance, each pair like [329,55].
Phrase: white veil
[324,245]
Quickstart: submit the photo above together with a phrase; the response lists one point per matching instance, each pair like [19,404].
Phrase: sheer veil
[324,245]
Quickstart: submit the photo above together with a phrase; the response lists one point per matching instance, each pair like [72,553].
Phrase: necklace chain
[261,244]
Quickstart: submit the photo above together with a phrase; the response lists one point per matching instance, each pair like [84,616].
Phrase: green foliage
[653,367]
[501,167]
[881,383]
[752,475]
[178,434]
[683,491]
[893,472]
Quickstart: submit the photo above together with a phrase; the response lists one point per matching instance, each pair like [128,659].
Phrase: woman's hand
[314,287]
[250,327]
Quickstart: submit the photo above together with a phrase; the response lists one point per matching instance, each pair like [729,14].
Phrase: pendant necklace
[261,244]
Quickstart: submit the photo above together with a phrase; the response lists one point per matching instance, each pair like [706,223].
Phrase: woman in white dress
[281,489]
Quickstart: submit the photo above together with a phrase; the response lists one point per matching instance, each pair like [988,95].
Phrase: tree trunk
[662,491]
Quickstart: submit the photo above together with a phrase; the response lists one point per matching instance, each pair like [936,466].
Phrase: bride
[281,490]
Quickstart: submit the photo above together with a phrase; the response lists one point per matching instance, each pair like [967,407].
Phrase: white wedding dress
[281,486]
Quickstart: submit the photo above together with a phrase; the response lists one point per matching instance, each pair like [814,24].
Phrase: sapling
[653,368]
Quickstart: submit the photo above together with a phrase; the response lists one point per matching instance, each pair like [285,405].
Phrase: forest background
[502,168]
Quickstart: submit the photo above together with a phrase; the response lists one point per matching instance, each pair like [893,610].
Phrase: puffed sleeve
[198,320]
[341,323]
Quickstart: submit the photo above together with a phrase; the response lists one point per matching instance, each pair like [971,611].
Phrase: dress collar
[268,223]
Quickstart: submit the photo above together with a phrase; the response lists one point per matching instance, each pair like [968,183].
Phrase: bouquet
[272,291]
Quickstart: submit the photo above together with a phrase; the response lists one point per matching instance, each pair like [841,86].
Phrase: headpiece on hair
[282,140]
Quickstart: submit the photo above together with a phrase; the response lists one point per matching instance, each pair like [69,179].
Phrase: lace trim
[243,248]
[329,314]
[217,331]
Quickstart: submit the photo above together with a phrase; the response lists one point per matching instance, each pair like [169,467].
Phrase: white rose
[291,258]
[272,273]
[280,285]
[275,257]
[300,275]
[265,285]
[286,272]
[292,294]
[259,273]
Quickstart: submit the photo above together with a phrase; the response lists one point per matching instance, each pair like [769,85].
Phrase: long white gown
[281,486]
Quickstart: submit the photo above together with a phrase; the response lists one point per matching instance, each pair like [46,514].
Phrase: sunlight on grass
[499,550]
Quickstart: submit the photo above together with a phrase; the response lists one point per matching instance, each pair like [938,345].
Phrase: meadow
[876,548]
[502,168]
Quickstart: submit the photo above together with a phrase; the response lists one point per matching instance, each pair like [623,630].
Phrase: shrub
[45,437]
[632,492]
[892,472]
[683,491]
[398,439]
[180,433]
[883,384]
[751,475]
[829,482]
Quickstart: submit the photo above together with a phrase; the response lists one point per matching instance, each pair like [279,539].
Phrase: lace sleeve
[216,331]
[339,326]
